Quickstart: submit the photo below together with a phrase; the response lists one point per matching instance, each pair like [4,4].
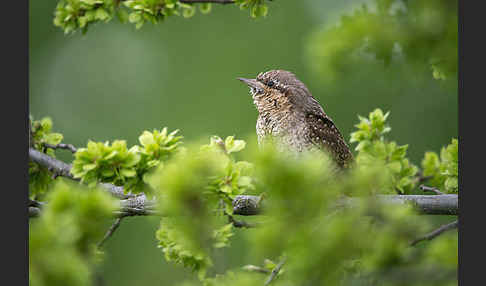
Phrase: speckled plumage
[289,113]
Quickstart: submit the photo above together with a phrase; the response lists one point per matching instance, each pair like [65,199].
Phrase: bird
[291,117]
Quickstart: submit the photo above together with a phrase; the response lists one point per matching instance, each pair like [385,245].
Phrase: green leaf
[399,152]
[135,17]
[89,167]
[128,172]
[122,15]
[234,145]
[205,8]
[395,167]
[54,138]
[188,12]
[101,14]
[146,138]
[107,173]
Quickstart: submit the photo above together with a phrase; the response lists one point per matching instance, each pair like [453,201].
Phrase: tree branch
[69,147]
[275,271]
[110,231]
[62,169]
[430,189]
[254,268]
[425,204]
[132,205]
[34,212]
[436,232]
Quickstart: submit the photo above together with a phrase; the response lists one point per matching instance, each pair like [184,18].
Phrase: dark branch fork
[69,147]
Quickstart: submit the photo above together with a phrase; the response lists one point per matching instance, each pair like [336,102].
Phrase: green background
[114,82]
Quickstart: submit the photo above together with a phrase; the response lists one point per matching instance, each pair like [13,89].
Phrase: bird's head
[279,90]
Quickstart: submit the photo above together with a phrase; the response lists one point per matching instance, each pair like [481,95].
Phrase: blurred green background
[114,82]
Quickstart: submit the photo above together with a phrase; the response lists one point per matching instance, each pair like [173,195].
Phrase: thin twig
[110,231]
[34,203]
[431,189]
[232,220]
[255,268]
[240,223]
[275,271]
[420,178]
[69,147]
[436,232]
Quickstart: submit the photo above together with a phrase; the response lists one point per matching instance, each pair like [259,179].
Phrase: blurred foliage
[193,187]
[72,15]
[62,248]
[367,244]
[419,33]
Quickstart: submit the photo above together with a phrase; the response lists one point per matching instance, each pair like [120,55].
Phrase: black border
[15,93]
[471,120]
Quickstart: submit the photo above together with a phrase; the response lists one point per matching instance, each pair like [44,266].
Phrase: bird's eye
[270,83]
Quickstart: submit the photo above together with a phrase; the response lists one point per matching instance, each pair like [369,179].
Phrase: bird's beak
[252,83]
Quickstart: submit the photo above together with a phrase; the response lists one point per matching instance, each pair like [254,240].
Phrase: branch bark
[69,147]
[275,271]
[425,204]
[110,231]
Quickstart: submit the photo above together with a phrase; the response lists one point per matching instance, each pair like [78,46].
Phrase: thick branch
[56,166]
[432,205]
[247,205]
[130,205]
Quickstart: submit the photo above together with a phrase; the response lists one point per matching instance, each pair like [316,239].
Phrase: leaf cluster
[257,8]
[115,163]
[73,15]
[40,134]
[373,148]
[443,170]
